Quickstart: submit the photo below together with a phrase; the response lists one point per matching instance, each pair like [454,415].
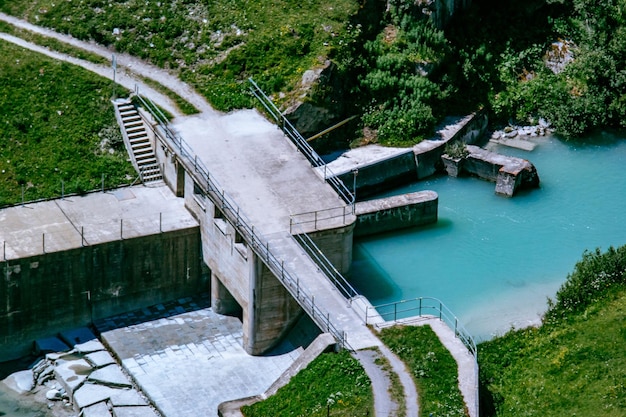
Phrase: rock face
[311,116]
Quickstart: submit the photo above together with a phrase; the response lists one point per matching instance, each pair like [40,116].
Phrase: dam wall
[52,292]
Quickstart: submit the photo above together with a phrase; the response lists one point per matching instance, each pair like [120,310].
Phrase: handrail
[301,144]
[407,308]
[231,212]
[315,218]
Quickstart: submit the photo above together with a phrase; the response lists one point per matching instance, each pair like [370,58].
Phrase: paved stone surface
[190,362]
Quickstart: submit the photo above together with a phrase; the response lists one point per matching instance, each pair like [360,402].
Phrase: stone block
[90,394]
[71,372]
[50,345]
[127,398]
[100,409]
[77,336]
[133,412]
[90,346]
[100,359]
[111,376]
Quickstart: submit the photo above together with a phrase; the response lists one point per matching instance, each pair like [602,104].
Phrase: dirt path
[384,404]
[129,69]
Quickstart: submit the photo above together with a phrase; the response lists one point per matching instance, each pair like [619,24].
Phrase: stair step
[143,153]
[145,160]
[141,144]
[133,124]
[130,118]
[127,111]
[137,135]
[135,129]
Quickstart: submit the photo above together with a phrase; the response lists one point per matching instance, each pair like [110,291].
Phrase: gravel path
[384,405]
[128,68]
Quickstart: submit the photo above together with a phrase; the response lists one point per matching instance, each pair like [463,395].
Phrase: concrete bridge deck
[258,167]
[270,181]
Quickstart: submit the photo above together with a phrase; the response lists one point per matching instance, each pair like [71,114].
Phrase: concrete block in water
[396,212]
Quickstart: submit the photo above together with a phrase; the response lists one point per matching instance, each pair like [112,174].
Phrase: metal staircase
[137,141]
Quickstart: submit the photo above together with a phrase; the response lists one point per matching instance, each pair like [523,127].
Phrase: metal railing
[231,212]
[301,144]
[320,219]
[424,306]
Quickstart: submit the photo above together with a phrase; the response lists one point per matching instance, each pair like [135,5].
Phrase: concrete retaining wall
[397,212]
[48,293]
[388,173]
[416,163]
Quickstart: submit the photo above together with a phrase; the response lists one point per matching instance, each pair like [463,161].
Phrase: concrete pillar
[336,245]
[271,312]
[222,300]
[180,180]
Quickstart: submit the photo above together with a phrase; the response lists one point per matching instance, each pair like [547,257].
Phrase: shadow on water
[367,275]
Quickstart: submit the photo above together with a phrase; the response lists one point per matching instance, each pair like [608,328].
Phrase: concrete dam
[71,261]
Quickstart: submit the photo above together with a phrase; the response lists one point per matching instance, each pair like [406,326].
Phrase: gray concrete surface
[189,363]
[258,167]
[56,225]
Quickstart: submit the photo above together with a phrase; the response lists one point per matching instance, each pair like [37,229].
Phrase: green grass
[334,384]
[215,46]
[574,368]
[58,126]
[575,363]
[433,368]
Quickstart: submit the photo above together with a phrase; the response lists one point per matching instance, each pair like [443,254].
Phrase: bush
[593,277]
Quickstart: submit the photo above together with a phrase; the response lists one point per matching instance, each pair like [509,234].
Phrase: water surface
[494,261]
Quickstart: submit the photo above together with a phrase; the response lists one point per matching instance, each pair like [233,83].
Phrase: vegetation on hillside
[575,363]
[554,59]
[215,46]
[332,385]
[59,132]
[561,60]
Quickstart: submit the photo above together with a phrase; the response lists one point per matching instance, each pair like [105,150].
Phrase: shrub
[592,278]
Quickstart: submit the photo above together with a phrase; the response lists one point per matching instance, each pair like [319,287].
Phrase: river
[494,261]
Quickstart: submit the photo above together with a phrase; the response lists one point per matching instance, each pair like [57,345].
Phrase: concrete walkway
[57,225]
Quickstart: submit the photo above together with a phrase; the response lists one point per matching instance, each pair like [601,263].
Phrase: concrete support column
[271,312]
[222,300]
[180,180]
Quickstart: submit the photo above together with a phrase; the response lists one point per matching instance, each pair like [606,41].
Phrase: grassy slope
[213,45]
[334,383]
[433,368]
[576,367]
[55,118]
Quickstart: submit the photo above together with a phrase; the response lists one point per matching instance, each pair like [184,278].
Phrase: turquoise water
[494,261]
